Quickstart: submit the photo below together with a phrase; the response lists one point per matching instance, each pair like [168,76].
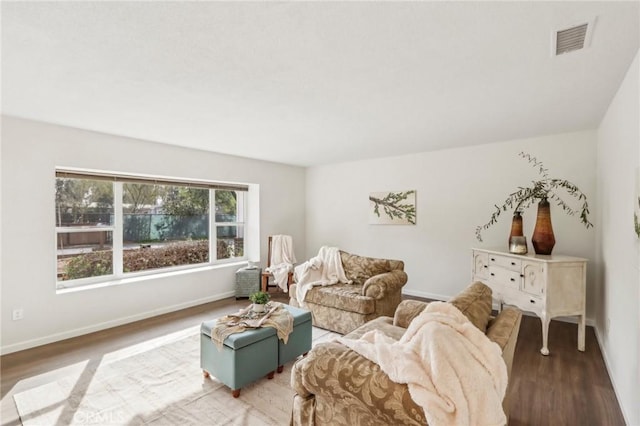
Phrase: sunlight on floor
[150,344]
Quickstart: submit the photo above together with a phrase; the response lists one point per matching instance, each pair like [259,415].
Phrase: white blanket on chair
[282,260]
[324,269]
[453,371]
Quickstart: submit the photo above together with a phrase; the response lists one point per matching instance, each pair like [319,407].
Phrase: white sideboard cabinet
[549,286]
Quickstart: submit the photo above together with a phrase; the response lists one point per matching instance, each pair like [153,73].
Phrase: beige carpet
[158,386]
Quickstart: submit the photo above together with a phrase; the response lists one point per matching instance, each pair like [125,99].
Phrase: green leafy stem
[394,207]
[545,188]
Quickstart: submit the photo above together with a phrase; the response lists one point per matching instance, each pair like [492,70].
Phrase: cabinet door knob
[513,279]
[521,275]
[493,259]
[493,275]
[533,301]
[513,263]
[485,266]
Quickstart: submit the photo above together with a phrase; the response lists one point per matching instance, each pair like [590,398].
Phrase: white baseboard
[425,295]
[600,339]
[574,320]
[27,344]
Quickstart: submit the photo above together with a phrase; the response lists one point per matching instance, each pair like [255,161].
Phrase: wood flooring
[567,387]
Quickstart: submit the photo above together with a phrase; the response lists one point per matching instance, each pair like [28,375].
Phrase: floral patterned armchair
[376,290]
[336,385]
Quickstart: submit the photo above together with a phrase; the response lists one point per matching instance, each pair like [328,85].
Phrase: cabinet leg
[205,373]
[545,334]
[235,393]
[581,328]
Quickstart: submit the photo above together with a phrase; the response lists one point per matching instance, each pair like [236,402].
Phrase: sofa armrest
[504,330]
[407,310]
[347,388]
[381,285]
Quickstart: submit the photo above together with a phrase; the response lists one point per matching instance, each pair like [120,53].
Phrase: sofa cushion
[475,303]
[381,324]
[407,310]
[345,297]
[359,269]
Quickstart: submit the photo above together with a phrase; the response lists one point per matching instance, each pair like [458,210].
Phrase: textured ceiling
[310,83]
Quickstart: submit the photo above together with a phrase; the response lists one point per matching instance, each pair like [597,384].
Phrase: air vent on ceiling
[574,38]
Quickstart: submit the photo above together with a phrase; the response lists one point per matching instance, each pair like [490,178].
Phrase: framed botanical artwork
[392,208]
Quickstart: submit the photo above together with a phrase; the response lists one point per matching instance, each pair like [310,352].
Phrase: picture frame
[392,207]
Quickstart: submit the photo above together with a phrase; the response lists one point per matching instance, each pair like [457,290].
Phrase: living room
[313,124]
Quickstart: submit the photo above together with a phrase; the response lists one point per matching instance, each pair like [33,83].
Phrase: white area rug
[163,385]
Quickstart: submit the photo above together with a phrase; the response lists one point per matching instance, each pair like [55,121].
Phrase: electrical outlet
[18,314]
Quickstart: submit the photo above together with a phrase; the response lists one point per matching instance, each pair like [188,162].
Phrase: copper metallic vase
[543,239]
[516,225]
[517,240]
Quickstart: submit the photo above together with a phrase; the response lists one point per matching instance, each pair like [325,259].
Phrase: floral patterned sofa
[335,385]
[376,290]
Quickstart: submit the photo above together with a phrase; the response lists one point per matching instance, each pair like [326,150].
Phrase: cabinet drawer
[535,303]
[505,262]
[528,303]
[504,277]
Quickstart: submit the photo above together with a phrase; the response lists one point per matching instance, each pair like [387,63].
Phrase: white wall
[31,151]
[619,311]
[456,191]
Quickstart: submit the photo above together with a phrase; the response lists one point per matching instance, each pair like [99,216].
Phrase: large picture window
[84,224]
[111,226]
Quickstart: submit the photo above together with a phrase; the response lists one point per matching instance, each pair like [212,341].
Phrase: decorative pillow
[475,303]
[359,269]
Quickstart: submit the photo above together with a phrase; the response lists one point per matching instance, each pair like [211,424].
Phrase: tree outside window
[163,226]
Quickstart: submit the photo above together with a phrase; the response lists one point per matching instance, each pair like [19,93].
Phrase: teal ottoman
[244,358]
[299,341]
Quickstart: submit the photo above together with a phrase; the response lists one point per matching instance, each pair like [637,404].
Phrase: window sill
[150,276]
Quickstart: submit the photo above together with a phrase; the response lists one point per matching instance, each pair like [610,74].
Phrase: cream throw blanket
[277,317]
[324,269]
[453,371]
[282,260]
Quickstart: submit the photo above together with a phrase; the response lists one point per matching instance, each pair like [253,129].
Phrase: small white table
[549,286]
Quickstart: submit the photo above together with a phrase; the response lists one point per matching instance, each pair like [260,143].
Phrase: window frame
[117,227]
